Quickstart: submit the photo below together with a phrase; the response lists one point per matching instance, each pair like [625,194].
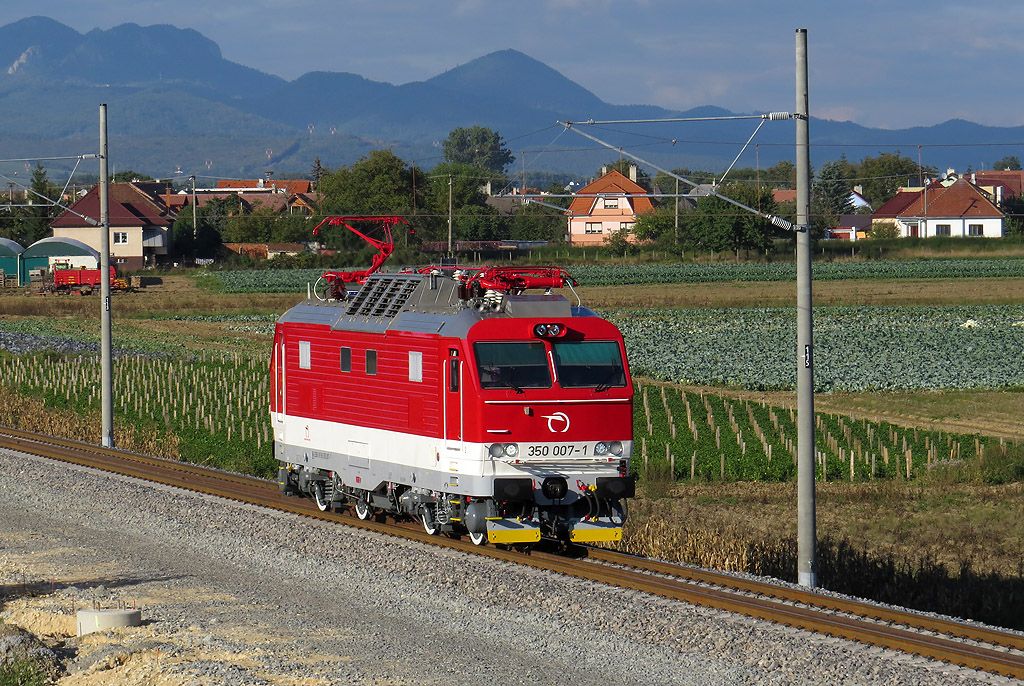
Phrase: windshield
[512,365]
[590,363]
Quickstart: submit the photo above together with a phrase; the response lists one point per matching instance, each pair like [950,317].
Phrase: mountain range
[176,103]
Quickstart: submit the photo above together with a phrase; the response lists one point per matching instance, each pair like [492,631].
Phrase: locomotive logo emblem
[558,423]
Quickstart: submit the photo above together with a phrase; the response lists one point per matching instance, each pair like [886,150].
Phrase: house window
[611,203]
[626,226]
[415,366]
[120,260]
[120,237]
[346,359]
[975,230]
[304,358]
[943,230]
[594,227]
[371,362]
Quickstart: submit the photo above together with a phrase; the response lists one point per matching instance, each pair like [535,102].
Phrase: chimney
[604,169]
[974,178]
[858,189]
[259,183]
[632,173]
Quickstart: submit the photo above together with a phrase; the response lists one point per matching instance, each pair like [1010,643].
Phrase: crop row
[705,436]
[295,280]
[215,406]
[855,348]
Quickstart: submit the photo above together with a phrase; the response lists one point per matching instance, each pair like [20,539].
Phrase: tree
[380,183]
[1011,162]
[203,239]
[478,146]
[882,176]
[33,222]
[654,226]
[717,225]
[831,193]
[536,223]
[129,175]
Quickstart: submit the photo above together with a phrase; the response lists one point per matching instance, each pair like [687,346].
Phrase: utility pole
[106,363]
[677,210]
[807,568]
[449,215]
[195,222]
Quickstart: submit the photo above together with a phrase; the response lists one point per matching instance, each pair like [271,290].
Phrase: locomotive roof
[422,303]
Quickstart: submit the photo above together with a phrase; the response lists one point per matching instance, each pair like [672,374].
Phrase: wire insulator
[777,116]
[781,223]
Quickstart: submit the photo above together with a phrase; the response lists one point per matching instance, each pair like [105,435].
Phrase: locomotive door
[279,380]
[453,403]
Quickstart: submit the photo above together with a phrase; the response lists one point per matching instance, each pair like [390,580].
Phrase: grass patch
[957,549]
[23,672]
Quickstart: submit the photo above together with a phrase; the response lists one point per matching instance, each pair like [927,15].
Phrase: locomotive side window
[304,361]
[415,366]
[513,365]
[371,362]
[589,363]
[346,359]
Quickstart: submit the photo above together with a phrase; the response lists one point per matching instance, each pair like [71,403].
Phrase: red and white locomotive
[455,397]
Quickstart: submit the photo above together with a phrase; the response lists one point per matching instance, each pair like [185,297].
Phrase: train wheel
[363,510]
[429,525]
[478,539]
[318,495]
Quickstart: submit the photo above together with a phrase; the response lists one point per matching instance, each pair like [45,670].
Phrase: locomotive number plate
[559,450]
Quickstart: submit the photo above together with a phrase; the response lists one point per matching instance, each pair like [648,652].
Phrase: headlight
[616,448]
[541,329]
[496,450]
[554,329]
[511,449]
[601,448]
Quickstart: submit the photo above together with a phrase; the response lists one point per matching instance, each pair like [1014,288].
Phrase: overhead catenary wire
[774,219]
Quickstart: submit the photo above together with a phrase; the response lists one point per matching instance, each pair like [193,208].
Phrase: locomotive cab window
[512,365]
[346,359]
[584,364]
[371,362]
[304,356]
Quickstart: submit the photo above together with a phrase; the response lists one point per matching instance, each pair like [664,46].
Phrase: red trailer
[83,281]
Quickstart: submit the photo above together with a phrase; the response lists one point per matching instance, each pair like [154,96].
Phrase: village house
[959,209]
[139,224]
[605,207]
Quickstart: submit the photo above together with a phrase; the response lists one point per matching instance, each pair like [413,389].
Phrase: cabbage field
[855,348]
[295,280]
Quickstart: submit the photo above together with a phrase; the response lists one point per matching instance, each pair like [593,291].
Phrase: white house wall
[992,227]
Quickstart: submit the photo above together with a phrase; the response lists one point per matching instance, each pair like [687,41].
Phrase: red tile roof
[891,208]
[1012,181]
[289,186]
[961,199]
[130,205]
[780,195]
[614,182]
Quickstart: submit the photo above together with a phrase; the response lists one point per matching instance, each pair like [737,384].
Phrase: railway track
[955,642]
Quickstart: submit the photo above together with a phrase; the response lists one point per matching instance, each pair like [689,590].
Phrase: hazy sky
[875,62]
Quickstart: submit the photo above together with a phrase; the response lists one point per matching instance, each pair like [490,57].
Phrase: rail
[960,643]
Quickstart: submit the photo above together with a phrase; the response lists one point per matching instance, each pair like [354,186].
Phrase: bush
[1003,464]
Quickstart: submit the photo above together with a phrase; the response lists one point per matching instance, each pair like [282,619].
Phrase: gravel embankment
[239,595]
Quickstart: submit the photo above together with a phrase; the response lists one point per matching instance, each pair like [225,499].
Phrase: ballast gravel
[238,595]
